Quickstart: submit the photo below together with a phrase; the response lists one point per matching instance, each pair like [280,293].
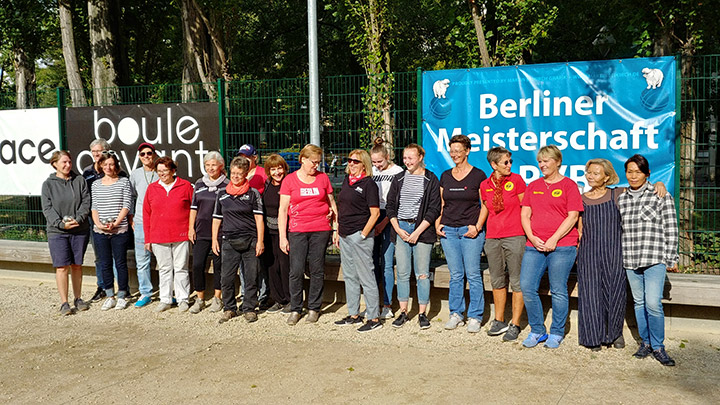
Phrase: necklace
[152,175]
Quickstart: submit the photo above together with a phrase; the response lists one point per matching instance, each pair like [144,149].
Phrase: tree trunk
[24,79]
[688,160]
[477,20]
[75,85]
[102,49]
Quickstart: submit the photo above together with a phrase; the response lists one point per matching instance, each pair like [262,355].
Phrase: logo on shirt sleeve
[509,186]
[556,193]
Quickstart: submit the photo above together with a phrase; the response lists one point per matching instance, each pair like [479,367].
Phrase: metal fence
[273,115]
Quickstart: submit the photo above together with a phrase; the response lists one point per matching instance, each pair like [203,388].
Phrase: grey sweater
[61,197]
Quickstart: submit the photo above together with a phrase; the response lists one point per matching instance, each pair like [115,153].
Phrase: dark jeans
[107,249]
[277,264]
[201,249]
[308,246]
[233,252]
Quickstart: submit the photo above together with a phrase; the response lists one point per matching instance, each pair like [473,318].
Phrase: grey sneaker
[512,333]
[286,309]
[293,318]
[473,325]
[454,321]
[386,313]
[162,307]
[108,304]
[183,306]
[216,305]
[65,309]
[81,305]
[312,316]
[197,306]
[497,328]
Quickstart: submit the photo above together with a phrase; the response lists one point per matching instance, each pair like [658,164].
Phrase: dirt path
[138,356]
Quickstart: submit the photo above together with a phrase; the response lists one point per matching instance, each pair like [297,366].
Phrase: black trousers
[235,251]
[310,247]
[277,264]
[201,249]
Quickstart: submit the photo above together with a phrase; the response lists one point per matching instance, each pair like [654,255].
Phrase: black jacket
[429,205]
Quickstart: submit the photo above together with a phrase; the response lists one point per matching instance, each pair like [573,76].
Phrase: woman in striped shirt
[413,205]
[111,203]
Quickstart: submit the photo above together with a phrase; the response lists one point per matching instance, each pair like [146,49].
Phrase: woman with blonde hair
[66,205]
[358,208]
[550,210]
[306,199]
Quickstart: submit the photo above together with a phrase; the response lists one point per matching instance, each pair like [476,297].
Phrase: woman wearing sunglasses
[358,208]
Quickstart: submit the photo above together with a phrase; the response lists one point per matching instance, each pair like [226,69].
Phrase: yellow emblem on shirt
[538,192]
[556,193]
[509,186]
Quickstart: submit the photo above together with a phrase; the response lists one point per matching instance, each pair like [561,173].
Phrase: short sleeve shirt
[461,198]
[309,203]
[204,203]
[550,205]
[237,213]
[257,181]
[506,223]
[354,204]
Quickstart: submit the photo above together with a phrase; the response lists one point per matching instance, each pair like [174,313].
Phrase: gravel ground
[138,356]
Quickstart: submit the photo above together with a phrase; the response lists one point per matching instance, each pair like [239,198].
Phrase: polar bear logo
[440,87]
[654,77]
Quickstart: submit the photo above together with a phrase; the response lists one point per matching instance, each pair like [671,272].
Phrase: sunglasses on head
[109,152]
[356,161]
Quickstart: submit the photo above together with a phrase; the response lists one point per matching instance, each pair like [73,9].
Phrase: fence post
[419,105]
[221,114]
[61,117]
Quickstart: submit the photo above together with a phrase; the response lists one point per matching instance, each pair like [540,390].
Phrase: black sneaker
[81,305]
[662,356]
[423,321]
[400,320]
[275,308]
[497,328]
[349,320]
[512,333]
[370,325]
[286,309]
[99,295]
[65,309]
[619,343]
[643,351]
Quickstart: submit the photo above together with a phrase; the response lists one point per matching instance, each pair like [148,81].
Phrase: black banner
[185,132]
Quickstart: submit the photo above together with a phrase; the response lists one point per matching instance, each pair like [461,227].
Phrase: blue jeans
[412,257]
[383,254]
[463,259]
[142,261]
[646,284]
[113,248]
[558,264]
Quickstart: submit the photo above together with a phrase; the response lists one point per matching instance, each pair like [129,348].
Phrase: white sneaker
[183,306]
[454,321]
[162,307]
[121,304]
[386,313]
[473,326]
[108,304]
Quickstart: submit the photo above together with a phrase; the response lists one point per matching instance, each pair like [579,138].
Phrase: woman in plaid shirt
[650,243]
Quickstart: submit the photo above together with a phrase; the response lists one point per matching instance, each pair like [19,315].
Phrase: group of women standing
[613,234]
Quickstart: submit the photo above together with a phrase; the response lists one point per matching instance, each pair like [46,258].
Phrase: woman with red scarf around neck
[359,209]
[305,200]
[239,215]
[502,193]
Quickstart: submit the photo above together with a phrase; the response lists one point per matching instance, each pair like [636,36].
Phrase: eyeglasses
[313,162]
[143,154]
[355,161]
[109,152]
[164,171]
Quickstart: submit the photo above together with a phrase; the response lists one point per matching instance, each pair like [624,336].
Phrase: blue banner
[608,109]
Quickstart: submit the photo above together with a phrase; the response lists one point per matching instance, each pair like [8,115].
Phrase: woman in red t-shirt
[306,199]
[552,244]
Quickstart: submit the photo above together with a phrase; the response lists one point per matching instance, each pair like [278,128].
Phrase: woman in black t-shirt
[200,232]
[358,210]
[461,235]
[274,259]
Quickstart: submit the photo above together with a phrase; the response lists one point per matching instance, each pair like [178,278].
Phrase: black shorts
[67,248]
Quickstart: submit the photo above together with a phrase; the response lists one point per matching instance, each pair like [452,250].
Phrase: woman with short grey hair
[200,231]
